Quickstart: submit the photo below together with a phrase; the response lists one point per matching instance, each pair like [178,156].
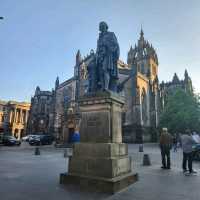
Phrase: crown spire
[141,32]
[57,82]
[186,74]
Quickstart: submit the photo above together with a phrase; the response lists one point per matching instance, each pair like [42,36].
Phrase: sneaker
[163,167]
[188,174]
[194,172]
[185,170]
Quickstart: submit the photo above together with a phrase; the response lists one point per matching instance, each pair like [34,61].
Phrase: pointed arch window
[144,106]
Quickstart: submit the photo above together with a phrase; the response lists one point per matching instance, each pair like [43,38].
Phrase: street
[24,176]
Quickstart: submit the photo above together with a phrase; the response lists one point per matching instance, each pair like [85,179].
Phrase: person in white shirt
[187,145]
[196,137]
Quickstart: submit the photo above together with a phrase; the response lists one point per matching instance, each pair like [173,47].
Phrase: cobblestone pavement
[24,176]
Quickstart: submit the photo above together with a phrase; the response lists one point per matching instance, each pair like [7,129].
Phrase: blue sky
[39,39]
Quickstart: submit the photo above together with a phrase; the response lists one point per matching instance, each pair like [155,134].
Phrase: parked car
[196,154]
[34,140]
[10,140]
[26,138]
[41,139]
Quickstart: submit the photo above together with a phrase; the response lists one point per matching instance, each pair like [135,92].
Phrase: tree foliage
[181,112]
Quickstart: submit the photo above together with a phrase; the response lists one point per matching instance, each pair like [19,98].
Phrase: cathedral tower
[143,60]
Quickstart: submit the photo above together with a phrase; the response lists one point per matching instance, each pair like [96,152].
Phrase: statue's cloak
[108,53]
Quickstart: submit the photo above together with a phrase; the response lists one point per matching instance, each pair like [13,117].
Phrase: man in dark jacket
[165,146]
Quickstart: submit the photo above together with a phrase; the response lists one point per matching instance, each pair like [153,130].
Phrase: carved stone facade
[13,118]
[64,100]
[144,96]
[41,118]
[176,83]
[141,112]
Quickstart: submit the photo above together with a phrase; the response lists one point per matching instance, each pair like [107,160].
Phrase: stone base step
[99,184]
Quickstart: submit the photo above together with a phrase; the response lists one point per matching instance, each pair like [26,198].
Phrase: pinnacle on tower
[78,57]
[141,39]
[91,52]
[186,74]
[57,82]
[141,33]
[37,90]
[175,79]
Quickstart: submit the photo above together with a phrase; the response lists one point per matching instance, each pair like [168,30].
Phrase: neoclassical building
[54,111]
[14,117]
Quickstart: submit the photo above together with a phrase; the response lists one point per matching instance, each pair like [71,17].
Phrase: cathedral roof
[143,49]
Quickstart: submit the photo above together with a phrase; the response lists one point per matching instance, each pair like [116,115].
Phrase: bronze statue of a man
[107,55]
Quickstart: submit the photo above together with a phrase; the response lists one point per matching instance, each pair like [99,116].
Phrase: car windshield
[35,136]
[11,137]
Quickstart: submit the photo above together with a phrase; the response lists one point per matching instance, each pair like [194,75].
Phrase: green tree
[181,112]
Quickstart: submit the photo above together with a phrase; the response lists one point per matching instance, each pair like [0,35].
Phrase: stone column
[26,116]
[21,116]
[15,115]
[10,117]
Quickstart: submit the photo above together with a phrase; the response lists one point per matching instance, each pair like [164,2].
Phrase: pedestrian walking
[187,145]
[165,146]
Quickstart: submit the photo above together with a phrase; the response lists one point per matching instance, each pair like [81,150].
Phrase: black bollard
[37,151]
[141,148]
[65,153]
[146,160]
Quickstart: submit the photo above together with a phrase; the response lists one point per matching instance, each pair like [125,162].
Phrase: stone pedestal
[100,161]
